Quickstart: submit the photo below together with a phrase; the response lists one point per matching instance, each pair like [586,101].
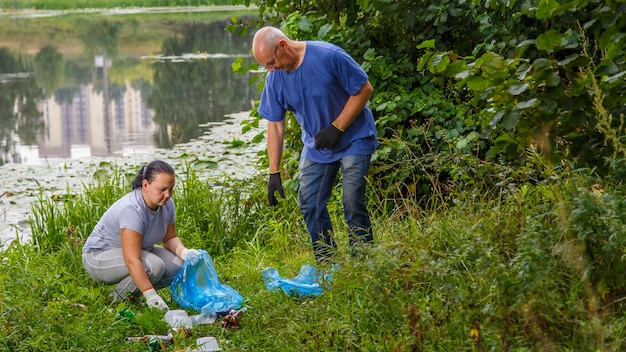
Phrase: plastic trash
[305,284]
[178,318]
[206,344]
[125,314]
[206,316]
[231,320]
[197,286]
[155,342]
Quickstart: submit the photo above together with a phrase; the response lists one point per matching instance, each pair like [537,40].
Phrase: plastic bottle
[125,314]
[157,343]
[205,317]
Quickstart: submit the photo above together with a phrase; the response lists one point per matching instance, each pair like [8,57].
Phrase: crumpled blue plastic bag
[305,284]
[196,286]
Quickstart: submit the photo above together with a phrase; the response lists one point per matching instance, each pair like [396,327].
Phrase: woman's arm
[131,248]
[172,242]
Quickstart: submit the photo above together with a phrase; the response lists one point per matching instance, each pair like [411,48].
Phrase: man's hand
[154,300]
[275,184]
[328,137]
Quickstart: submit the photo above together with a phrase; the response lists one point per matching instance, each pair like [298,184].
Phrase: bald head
[264,41]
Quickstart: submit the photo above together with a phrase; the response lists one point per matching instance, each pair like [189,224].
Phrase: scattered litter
[206,316]
[304,284]
[155,342]
[206,344]
[180,333]
[125,314]
[178,318]
[231,320]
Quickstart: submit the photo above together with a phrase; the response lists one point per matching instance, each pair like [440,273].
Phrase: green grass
[527,271]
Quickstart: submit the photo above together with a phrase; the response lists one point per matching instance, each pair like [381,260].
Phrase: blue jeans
[316,184]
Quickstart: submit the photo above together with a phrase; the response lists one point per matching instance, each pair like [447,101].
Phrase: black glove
[274,184]
[328,137]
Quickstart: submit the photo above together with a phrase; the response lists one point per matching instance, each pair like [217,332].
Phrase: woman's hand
[185,252]
[154,300]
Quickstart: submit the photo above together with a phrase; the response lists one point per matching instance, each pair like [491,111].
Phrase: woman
[122,247]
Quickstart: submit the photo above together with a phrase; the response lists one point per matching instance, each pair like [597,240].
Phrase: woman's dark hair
[150,171]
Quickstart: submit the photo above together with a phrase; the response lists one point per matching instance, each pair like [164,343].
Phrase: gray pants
[108,266]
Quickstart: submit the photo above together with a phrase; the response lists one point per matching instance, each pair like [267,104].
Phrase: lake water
[123,86]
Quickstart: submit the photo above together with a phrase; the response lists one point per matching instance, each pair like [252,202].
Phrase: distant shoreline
[30,13]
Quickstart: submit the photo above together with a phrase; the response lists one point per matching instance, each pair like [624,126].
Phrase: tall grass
[536,268]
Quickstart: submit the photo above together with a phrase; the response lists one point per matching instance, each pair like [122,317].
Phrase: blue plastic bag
[196,286]
[304,284]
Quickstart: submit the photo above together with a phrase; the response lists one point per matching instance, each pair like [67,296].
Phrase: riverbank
[222,149]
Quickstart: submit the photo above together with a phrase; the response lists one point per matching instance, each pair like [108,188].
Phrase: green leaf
[204,164]
[496,119]
[542,64]
[491,63]
[527,104]
[425,59]
[479,83]
[462,75]
[553,79]
[518,89]
[549,41]
[237,64]
[465,141]
[439,63]
[237,143]
[574,60]
[510,120]
[370,54]
[426,44]
[606,68]
[522,71]
[456,67]
[522,46]
[546,9]
[614,78]
[324,31]
[504,138]
[304,24]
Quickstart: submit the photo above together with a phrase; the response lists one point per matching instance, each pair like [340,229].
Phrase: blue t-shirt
[317,92]
[131,212]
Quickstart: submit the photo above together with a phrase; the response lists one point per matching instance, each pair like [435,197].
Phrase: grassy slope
[481,275]
[495,273]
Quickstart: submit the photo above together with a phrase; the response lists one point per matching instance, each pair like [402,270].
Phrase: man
[328,92]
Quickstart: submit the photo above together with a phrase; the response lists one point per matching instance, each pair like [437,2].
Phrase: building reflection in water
[55,105]
[81,128]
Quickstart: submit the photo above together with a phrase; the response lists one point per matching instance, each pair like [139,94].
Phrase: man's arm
[354,106]
[275,139]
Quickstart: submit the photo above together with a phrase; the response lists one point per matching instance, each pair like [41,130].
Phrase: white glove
[185,252]
[154,300]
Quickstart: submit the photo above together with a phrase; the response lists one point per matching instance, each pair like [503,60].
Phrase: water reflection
[104,101]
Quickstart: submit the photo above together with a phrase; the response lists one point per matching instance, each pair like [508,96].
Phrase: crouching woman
[122,249]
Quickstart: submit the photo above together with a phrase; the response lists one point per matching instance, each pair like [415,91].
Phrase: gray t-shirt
[131,212]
